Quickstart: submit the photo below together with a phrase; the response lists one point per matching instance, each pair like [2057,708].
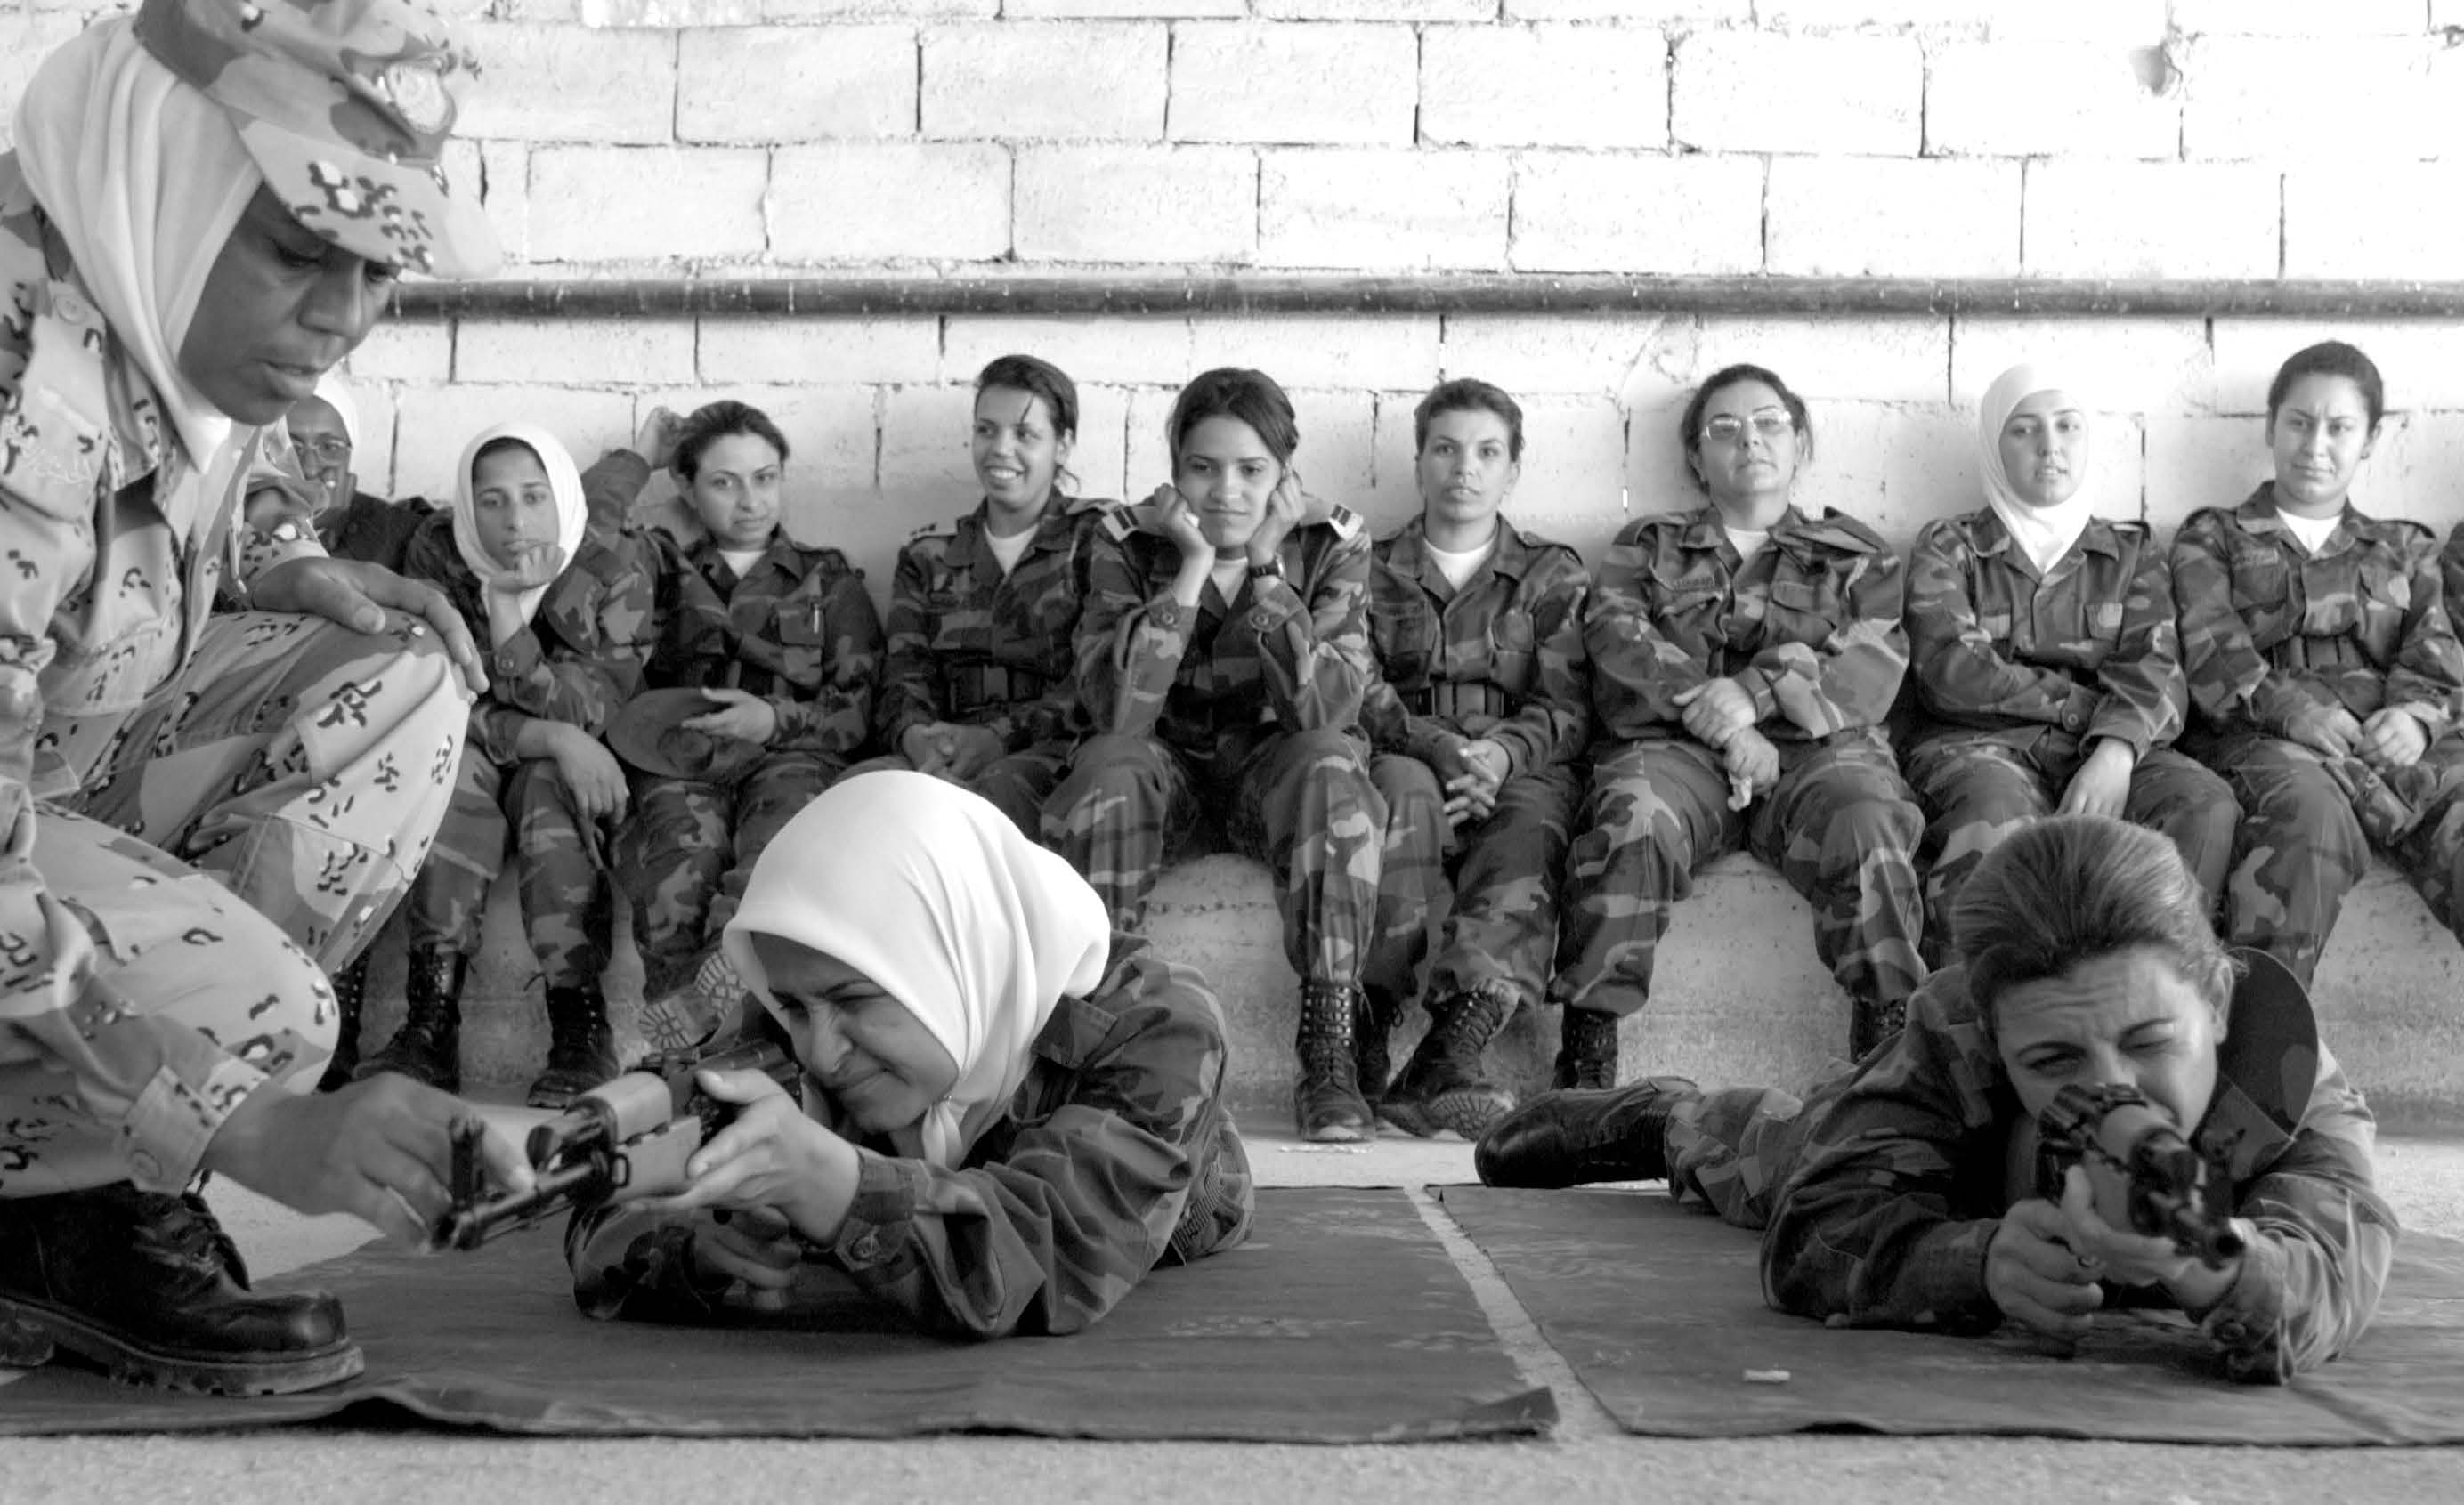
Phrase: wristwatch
[1270,570]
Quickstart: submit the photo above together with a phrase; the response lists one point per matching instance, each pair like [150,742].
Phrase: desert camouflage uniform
[977,647]
[1118,1154]
[2270,633]
[2019,672]
[198,812]
[1810,628]
[1880,1190]
[1246,704]
[798,629]
[1501,658]
[579,661]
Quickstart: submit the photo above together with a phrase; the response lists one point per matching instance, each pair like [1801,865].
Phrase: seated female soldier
[1011,1113]
[1889,1196]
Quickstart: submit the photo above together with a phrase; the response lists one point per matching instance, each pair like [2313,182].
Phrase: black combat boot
[1369,1051]
[1327,1101]
[1587,1051]
[147,1287]
[1871,1023]
[350,991]
[1443,1085]
[1569,1139]
[580,1050]
[428,1046]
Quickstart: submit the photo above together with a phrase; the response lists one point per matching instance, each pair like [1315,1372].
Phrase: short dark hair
[2331,358]
[1037,378]
[1469,394]
[1236,392]
[1689,425]
[503,444]
[713,422]
[2069,889]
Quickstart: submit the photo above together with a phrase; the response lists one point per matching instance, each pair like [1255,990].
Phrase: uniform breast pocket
[1694,610]
[1513,661]
[1801,610]
[1404,639]
[805,643]
[2382,597]
[2262,594]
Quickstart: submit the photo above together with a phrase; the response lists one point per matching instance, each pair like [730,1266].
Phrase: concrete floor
[1587,1460]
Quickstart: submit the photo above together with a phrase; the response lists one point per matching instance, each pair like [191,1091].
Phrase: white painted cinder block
[2130,364]
[400,351]
[635,12]
[1365,208]
[1014,79]
[2196,461]
[1661,214]
[1545,86]
[1412,11]
[2412,470]
[2241,93]
[2417,359]
[1897,359]
[808,352]
[1119,350]
[1557,353]
[1891,216]
[2396,220]
[2045,98]
[1383,353]
[574,352]
[924,434]
[1707,12]
[1139,203]
[849,83]
[1278,83]
[2150,220]
[890,201]
[1100,458]
[1833,94]
[1121,9]
[646,204]
[572,83]
[2298,18]
[2141,20]
[26,40]
[501,171]
[435,423]
[1574,464]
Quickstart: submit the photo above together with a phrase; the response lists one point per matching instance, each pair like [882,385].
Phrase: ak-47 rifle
[621,1140]
[2147,1178]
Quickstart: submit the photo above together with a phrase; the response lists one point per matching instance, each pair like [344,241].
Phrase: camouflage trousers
[1840,826]
[1018,782]
[1978,788]
[242,834]
[687,849]
[2309,824]
[1502,928]
[1300,801]
[1736,1148]
[558,857]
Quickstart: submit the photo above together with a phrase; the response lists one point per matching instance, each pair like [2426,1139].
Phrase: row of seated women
[1461,702]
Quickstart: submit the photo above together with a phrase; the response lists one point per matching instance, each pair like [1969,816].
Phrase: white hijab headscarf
[145,178]
[331,392]
[2043,533]
[564,482]
[933,893]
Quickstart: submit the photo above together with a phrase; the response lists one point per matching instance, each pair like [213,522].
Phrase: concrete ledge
[1740,996]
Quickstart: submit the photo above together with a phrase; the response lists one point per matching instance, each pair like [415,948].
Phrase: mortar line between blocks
[1580,1416]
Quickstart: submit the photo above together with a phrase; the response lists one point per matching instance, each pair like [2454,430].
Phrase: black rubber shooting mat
[1342,1320]
[1658,1309]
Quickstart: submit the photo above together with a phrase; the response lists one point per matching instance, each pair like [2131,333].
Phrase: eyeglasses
[1728,429]
[326,450]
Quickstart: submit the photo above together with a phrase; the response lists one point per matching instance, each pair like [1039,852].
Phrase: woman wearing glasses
[2048,665]
[1743,656]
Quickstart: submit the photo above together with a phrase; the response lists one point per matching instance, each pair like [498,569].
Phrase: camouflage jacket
[373,530]
[954,616]
[110,559]
[1905,1174]
[1501,658]
[2091,648]
[1294,652]
[2268,631]
[1809,628]
[1118,1153]
[580,657]
[797,629]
